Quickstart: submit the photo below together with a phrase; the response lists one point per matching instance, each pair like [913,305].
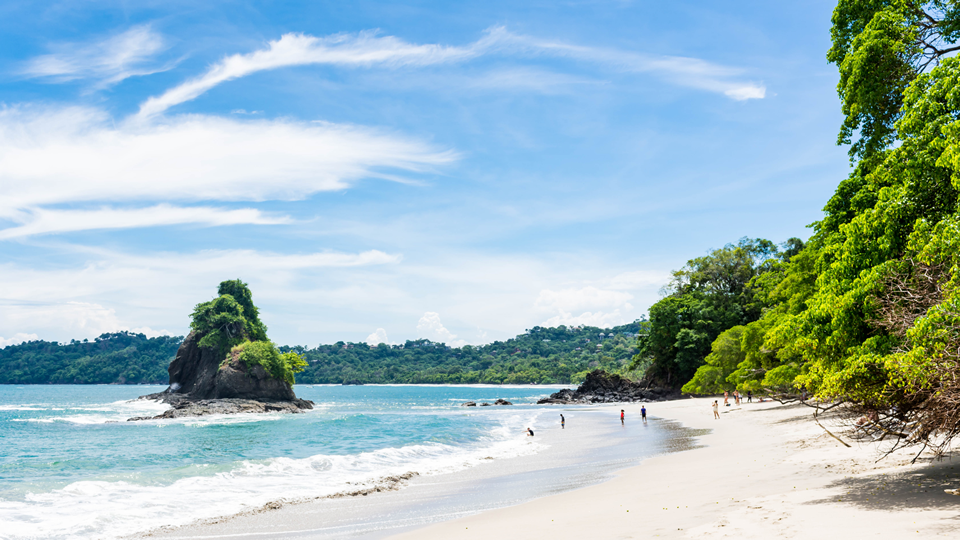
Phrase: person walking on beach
[736,397]
[726,398]
[749,396]
[621,417]
[643,413]
[716,410]
[563,422]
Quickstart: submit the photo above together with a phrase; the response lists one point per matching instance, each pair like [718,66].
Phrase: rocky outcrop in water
[203,383]
[603,387]
[497,402]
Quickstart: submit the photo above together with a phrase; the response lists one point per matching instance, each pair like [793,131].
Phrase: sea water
[71,466]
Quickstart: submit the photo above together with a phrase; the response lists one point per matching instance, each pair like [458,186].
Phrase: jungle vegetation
[540,355]
[867,313]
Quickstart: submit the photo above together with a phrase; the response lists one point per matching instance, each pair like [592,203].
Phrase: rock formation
[603,387]
[202,383]
[500,401]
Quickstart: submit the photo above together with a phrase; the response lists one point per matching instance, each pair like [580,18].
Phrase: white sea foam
[113,509]
[99,413]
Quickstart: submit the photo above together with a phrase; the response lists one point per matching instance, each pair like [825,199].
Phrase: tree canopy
[709,295]
[868,312]
[230,324]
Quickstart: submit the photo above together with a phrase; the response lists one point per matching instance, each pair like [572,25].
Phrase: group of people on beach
[643,414]
[563,421]
[737,399]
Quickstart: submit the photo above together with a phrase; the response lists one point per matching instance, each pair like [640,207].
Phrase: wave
[125,507]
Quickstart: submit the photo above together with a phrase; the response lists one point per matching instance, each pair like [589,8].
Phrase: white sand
[766,471]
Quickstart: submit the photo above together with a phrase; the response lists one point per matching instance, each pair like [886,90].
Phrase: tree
[219,323]
[726,354]
[709,295]
[868,312]
[880,48]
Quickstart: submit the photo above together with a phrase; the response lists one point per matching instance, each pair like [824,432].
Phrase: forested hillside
[122,358]
[542,355]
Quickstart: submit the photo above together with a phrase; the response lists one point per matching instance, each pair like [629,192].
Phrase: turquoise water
[72,467]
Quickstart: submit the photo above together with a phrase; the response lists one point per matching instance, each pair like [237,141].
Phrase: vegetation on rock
[230,324]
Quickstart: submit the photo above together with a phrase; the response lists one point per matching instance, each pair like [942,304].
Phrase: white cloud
[598,319]
[150,332]
[109,61]
[378,337]
[638,279]
[17,339]
[368,49]
[430,327]
[77,318]
[114,291]
[583,299]
[42,221]
[363,49]
[78,154]
[592,304]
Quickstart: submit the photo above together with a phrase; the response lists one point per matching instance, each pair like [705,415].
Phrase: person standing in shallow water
[716,410]
[643,413]
[621,416]
[563,422]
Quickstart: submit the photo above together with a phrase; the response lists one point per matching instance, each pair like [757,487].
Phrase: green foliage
[282,366]
[542,355]
[726,354]
[120,358]
[880,47]
[709,295]
[238,290]
[566,357]
[220,322]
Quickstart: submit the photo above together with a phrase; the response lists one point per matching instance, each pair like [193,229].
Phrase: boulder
[602,387]
[469,404]
[502,402]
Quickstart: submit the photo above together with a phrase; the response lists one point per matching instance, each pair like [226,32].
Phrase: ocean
[71,466]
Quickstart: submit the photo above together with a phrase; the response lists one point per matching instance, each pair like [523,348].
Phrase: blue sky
[383,171]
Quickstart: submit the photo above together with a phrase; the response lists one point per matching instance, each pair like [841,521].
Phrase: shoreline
[763,471]
[592,448]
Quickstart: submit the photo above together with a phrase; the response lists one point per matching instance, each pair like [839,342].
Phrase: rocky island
[227,365]
[602,387]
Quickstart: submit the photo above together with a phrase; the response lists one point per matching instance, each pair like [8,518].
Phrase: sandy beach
[765,471]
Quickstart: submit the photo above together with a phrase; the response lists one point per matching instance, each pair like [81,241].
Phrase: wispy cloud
[363,49]
[107,62]
[78,154]
[367,49]
[680,70]
[44,221]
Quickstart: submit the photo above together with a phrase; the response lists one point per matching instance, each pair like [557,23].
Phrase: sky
[385,171]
